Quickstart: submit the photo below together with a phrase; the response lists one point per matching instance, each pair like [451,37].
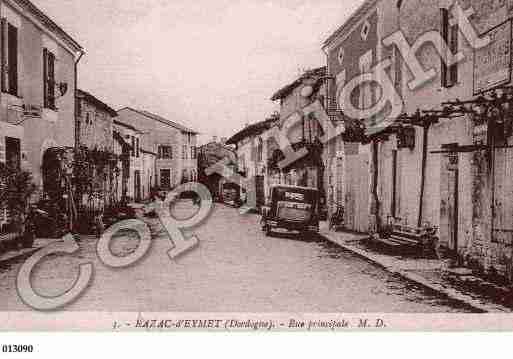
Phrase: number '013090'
[17,348]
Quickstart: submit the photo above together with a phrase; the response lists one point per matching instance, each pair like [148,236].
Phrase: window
[242,163]
[366,27]
[137,148]
[340,56]
[9,40]
[449,74]
[13,152]
[366,88]
[165,178]
[184,152]
[165,152]
[49,79]
[133,146]
[193,153]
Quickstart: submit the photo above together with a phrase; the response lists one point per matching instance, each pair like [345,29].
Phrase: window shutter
[51,80]
[45,77]
[3,40]
[444,17]
[454,49]
[13,59]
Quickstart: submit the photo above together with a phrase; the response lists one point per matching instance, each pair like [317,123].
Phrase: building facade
[94,122]
[302,132]
[38,81]
[209,155]
[175,147]
[433,163]
[128,147]
[251,146]
[457,175]
[353,50]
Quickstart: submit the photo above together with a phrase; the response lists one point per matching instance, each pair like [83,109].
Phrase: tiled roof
[122,124]
[285,91]
[95,101]
[28,5]
[252,130]
[160,119]
[351,21]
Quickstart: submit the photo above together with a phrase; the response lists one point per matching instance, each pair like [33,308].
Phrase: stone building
[38,82]
[94,122]
[209,155]
[251,148]
[434,163]
[353,49]
[458,175]
[302,132]
[128,146]
[175,146]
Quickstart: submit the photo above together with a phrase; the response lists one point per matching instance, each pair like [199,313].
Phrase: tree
[16,189]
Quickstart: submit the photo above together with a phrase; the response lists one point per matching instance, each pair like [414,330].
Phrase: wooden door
[449,206]
[356,201]
[137,186]
[260,190]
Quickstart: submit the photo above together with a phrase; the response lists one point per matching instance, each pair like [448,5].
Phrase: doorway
[449,211]
[137,186]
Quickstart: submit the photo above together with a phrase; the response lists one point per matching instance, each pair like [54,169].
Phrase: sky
[211,65]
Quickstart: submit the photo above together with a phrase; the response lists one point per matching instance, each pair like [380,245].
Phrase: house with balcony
[351,51]
[302,131]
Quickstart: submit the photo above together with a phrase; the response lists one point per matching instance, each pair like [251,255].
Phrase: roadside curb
[393,268]
[11,256]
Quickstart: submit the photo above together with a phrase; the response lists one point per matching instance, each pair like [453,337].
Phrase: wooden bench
[397,234]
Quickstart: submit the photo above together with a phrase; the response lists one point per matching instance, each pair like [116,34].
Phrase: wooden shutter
[3,40]
[51,80]
[13,59]
[444,27]
[45,77]
[453,71]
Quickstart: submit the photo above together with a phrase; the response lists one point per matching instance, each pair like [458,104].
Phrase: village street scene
[379,181]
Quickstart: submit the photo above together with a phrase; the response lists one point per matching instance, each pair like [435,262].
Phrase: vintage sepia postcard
[255,166]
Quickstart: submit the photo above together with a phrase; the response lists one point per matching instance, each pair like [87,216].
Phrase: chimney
[214,139]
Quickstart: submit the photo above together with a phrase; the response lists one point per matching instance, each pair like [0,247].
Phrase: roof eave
[49,23]
[365,7]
